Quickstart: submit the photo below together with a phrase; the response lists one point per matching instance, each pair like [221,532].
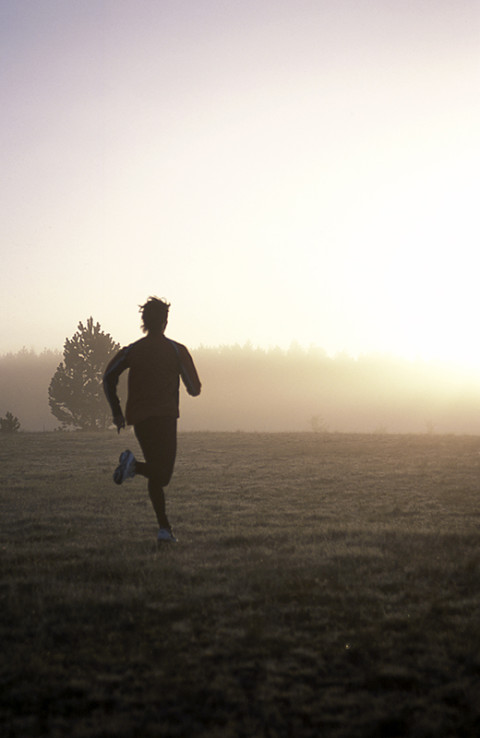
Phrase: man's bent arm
[110,380]
[188,371]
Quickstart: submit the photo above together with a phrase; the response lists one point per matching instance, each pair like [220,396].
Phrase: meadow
[323,585]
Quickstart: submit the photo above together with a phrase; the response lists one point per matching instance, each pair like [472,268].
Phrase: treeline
[299,390]
[24,380]
[249,389]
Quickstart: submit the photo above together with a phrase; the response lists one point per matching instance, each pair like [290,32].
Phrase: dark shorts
[157,437]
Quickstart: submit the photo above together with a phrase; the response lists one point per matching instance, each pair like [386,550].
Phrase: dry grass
[324,585]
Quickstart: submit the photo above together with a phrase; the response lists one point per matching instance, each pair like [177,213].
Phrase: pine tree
[75,393]
[9,424]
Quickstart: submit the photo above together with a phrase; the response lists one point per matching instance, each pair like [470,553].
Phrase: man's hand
[119,421]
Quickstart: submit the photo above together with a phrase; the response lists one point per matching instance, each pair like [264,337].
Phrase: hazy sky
[279,170]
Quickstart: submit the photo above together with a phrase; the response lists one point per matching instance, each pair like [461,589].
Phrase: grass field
[324,585]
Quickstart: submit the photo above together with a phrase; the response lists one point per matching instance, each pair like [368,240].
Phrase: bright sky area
[280,170]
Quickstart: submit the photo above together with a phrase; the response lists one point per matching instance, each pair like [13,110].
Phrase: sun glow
[280,172]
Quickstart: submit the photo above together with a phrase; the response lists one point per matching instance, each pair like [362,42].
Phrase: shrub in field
[75,393]
[9,424]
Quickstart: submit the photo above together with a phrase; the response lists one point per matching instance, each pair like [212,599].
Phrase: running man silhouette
[155,365]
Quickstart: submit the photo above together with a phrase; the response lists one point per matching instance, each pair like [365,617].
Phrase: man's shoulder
[138,343]
[183,354]
[177,345]
[125,353]
[153,348]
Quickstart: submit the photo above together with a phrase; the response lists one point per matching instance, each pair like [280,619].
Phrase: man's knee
[160,477]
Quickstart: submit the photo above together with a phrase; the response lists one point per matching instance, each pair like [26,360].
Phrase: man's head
[154,314]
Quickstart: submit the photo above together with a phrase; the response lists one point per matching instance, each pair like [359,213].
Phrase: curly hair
[154,314]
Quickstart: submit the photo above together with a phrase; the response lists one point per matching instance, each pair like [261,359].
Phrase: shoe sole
[121,472]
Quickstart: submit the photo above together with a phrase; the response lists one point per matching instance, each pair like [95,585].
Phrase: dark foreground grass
[324,585]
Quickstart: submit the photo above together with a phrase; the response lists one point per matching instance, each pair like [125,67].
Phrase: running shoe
[126,468]
[166,536]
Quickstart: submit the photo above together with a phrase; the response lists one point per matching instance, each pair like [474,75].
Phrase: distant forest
[249,389]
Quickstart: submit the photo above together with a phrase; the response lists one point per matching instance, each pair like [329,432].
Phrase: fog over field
[249,389]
